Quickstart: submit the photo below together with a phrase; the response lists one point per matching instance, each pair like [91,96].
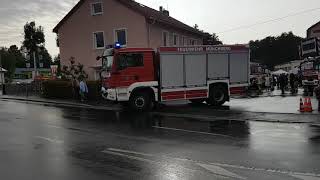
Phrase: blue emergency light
[117,46]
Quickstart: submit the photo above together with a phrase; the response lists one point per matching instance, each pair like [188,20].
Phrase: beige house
[314,31]
[93,24]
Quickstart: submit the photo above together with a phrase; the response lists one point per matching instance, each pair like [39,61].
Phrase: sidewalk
[273,102]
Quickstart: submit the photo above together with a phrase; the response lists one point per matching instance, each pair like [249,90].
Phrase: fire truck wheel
[218,95]
[140,102]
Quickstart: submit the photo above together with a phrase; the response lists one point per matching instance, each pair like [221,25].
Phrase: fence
[23,89]
[52,90]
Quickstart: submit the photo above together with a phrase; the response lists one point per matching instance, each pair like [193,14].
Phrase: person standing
[282,81]
[83,89]
[278,81]
[317,91]
[267,83]
[292,79]
[274,80]
[259,82]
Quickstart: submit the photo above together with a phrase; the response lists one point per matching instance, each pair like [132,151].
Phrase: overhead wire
[269,21]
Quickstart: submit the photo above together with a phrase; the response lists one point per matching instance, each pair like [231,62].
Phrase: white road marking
[190,131]
[219,171]
[53,126]
[131,152]
[130,157]
[304,177]
[50,140]
[167,166]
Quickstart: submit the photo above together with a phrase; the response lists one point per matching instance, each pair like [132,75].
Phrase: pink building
[93,24]
[314,31]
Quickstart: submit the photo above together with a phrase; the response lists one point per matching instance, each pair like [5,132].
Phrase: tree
[275,50]
[33,37]
[211,39]
[20,61]
[34,41]
[46,57]
[57,61]
[8,61]
[73,71]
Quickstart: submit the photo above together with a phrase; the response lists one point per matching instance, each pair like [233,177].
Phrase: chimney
[166,12]
[161,9]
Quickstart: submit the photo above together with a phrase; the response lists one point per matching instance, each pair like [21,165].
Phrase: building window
[129,60]
[96,8]
[192,42]
[175,40]
[183,41]
[165,38]
[98,40]
[121,36]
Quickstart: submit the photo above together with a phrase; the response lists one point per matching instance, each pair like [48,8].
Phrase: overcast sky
[218,16]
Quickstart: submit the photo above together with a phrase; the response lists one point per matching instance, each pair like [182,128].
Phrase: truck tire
[218,95]
[140,102]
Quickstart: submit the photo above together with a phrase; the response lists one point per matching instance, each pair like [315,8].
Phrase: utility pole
[34,64]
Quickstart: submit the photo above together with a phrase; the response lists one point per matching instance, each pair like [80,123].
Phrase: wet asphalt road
[46,142]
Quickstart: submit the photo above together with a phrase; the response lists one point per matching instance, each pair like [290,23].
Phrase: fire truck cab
[144,76]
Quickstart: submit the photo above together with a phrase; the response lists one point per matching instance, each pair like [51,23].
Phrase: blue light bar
[117,46]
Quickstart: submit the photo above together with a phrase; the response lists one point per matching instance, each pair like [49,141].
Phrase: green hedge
[57,89]
[63,89]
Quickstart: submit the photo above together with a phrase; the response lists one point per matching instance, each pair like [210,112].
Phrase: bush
[57,89]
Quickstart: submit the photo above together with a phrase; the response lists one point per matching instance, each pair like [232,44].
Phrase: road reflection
[260,136]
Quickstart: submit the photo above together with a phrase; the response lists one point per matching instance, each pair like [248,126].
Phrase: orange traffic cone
[307,105]
[301,106]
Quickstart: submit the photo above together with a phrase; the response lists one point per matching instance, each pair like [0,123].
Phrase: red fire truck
[144,76]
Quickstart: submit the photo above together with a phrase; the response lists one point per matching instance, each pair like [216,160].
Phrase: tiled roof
[149,13]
